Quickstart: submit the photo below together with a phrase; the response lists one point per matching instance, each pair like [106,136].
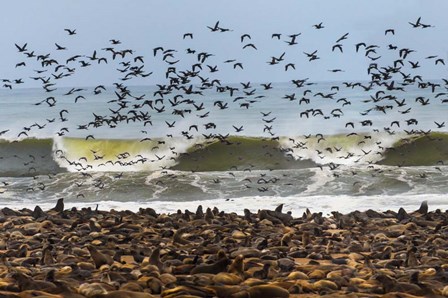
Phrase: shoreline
[209,253]
[296,205]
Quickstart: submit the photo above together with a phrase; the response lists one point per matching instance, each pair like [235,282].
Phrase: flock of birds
[182,94]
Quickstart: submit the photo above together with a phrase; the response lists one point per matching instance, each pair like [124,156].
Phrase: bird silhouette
[21,48]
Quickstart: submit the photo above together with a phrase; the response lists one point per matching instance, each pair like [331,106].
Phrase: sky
[142,25]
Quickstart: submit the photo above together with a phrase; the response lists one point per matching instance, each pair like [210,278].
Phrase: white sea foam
[340,149]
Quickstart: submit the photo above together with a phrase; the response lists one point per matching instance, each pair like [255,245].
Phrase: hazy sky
[142,25]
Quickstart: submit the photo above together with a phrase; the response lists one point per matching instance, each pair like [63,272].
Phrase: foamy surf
[343,149]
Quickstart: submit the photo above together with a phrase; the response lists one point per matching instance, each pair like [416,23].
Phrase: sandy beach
[210,253]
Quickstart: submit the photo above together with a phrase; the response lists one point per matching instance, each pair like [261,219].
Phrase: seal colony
[94,253]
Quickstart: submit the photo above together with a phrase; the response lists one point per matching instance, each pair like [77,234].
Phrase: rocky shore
[210,253]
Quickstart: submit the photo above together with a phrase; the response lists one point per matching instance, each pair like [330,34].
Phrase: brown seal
[59,206]
[47,258]
[423,208]
[154,259]
[99,258]
[38,213]
[177,237]
[262,291]
[225,278]
[209,216]
[237,266]
[27,283]
[389,284]
[215,268]
[125,294]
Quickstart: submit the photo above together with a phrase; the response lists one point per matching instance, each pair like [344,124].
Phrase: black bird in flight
[238,129]
[440,125]
[245,36]
[21,48]
[318,26]
[358,45]
[70,32]
[214,28]
[337,46]
[238,64]
[416,24]
[155,50]
[59,48]
[342,37]
[289,65]
[250,45]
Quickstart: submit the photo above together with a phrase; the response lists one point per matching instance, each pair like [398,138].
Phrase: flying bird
[245,36]
[318,26]
[21,48]
[342,37]
[70,31]
[60,48]
[290,65]
[337,46]
[214,28]
[250,45]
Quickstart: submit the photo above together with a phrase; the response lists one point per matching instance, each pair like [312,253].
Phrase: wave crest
[31,157]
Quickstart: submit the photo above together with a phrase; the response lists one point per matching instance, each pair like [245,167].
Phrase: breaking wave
[31,157]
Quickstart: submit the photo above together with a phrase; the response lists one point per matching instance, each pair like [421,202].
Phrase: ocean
[326,146]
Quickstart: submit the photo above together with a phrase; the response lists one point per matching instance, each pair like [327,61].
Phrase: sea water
[231,151]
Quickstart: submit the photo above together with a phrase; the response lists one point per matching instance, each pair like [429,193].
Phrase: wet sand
[210,253]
